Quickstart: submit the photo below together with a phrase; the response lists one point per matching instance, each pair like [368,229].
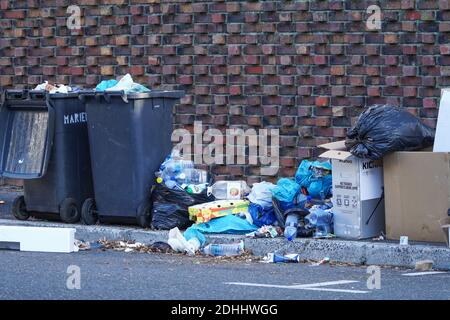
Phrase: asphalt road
[118,275]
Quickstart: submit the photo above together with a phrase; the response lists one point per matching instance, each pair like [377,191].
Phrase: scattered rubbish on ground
[82,246]
[180,244]
[403,241]
[424,265]
[276,258]
[325,260]
[161,247]
[132,246]
[381,237]
[228,249]
[266,232]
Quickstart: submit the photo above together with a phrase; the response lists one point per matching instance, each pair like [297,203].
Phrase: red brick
[217,18]
[251,59]
[391,60]
[14,14]
[429,103]
[322,101]
[234,50]
[391,38]
[337,70]
[182,79]
[235,90]
[374,91]
[153,61]
[445,49]
[409,92]
[254,69]
[412,15]
[320,60]
[409,71]
[169,69]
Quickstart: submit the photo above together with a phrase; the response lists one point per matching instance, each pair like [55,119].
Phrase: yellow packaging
[206,211]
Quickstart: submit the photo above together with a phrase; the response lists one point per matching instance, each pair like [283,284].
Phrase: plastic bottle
[191,176]
[196,188]
[319,216]
[233,249]
[171,167]
[229,190]
[321,220]
[174,167]
[290,229]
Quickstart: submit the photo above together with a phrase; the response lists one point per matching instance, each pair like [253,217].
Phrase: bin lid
[174,94]
[26,134]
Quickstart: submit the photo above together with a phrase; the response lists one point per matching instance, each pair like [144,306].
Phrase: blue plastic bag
[230,224]
[262,216]
[286,190]
[318,186]
[105,84]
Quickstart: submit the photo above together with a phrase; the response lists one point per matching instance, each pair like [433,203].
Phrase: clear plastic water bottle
[174,167]
[192,176]
[233,249]
[171,168]
[321,220]
[196,188]
[290,229]
[229,190]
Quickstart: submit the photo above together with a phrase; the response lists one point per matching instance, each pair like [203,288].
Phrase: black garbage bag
[382,129]
[170,207]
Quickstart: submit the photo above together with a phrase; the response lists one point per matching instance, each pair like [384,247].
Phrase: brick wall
[305,67]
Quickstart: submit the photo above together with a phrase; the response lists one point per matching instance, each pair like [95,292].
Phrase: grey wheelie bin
[129,137]
[44,141]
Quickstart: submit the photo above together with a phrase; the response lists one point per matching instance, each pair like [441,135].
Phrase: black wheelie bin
[44,141]
[129,137]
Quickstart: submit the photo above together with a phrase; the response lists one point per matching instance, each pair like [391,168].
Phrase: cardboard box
[417,194]
[358,203]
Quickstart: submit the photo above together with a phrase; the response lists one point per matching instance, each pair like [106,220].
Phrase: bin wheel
[68,211]
[88,214]
[144,215]
[19,209]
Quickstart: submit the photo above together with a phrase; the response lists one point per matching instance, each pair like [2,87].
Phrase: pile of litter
[132,246]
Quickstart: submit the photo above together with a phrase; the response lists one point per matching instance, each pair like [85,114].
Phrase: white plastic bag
[179,244]
[261,194]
